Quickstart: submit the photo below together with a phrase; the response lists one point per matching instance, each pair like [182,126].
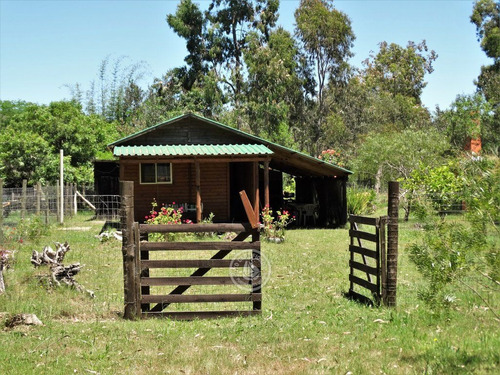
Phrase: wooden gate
[367,264]
[242,274]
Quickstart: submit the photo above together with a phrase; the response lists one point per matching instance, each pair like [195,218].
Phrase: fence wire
[45,202]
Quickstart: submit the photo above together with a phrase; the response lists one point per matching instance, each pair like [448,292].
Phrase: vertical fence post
[256,270]
[46,203]
[128,249]
[61,187]
[1,210]
[23,199]
[392,243]
[75,202]
[383,258]
[38,193]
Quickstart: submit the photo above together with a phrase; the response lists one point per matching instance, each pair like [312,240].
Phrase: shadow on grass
[447,361]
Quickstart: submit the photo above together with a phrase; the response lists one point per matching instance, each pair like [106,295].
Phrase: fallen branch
[64,274]
[49,256]
[59,273]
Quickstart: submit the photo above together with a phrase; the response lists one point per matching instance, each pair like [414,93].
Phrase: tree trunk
[378,178]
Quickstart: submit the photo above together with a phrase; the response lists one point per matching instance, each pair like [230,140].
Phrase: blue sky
[45,45]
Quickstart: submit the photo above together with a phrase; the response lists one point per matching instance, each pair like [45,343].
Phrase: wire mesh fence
[51,205]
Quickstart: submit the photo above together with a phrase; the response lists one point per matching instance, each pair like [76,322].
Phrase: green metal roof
[192,150]
[272,145]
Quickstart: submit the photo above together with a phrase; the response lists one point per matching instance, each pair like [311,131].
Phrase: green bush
[360,201]
[31,228]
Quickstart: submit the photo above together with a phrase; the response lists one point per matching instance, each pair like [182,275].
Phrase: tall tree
[486,17]
[189,23]
[399,70]
[327,38]
[217,40]
[274,85]
[40,131]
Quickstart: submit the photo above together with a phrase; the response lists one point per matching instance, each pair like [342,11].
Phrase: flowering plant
[166,214]
[274,228]
[333,157]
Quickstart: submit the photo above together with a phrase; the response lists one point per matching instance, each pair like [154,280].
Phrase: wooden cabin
[202,165]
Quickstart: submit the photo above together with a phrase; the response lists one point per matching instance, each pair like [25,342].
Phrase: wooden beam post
[392,243]
[198,192]
[128,249]
[255,173]
[249,210]
[266,183]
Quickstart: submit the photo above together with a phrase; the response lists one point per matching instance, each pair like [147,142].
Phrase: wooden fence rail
[141,302]
[384,255]
[372,260]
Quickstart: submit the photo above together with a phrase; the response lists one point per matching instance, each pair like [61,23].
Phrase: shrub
[31,228]
[274,228]
[207,220]
[165,215]
[360,201]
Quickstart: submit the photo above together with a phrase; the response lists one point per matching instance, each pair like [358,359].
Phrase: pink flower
[173,202]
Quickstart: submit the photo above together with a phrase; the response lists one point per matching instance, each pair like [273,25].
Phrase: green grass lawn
[306,327]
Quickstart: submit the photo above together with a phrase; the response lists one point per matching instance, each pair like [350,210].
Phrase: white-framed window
[156,173]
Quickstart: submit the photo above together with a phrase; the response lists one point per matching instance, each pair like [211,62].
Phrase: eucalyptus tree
[216,41]
[400,70]
[486,17]
[275,85]
[327,37]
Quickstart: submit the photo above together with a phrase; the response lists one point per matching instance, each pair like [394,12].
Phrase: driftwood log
[64,274]
[4,259]
[49,256]
[59,273]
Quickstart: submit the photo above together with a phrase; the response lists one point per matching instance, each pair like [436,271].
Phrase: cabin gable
[186,131]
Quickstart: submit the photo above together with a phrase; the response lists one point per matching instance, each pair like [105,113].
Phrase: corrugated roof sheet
[192,150]
[291,157]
